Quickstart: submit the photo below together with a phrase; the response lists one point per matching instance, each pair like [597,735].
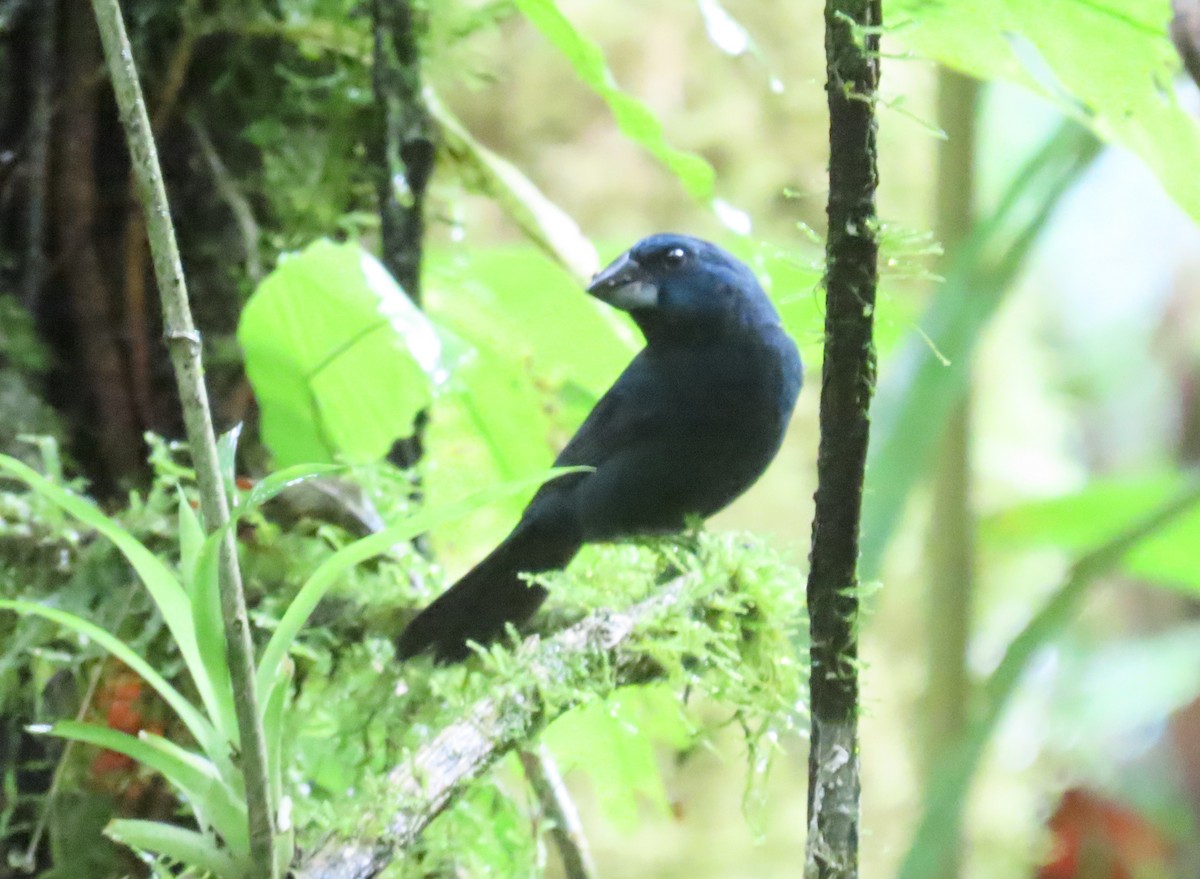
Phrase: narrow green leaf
[159,580]
[273,484]
[209,623]
[917,387]
[196,723]
[191,540]
[1095,514]
[227,461]
[162,584]
[195,778]
[196,850]
[273,731]
[635,120]
[544,223]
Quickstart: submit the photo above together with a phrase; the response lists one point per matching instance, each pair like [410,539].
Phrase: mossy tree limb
[596,655]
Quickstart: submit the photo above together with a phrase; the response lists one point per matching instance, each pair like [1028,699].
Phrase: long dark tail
[491,594]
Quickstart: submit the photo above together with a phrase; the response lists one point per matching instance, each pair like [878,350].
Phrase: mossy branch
[183,342]
[594,655]
[848,382]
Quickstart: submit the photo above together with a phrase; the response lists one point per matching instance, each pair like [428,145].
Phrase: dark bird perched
[690,424]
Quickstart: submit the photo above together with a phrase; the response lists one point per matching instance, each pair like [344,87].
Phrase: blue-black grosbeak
[689,425]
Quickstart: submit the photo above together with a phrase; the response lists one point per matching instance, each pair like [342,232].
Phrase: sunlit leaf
[1107,63]
[340,359]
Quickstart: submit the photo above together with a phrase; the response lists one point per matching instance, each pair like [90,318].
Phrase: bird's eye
[675,256]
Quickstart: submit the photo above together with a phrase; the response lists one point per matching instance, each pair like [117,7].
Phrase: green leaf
[279,481]
[920,384]
[271,670]
[197,779]
[635,120]
[196,850]
[191,541]
[227,461]
[340,359]
[273,732]
[1093,515]
[1107,63]
[209,623]
[615,741]
[197,724]
[205,591]
[530,329]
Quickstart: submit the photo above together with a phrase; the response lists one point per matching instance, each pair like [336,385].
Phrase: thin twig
[427,784]
[565,827]
[238,204]
[184,344]
[852,250]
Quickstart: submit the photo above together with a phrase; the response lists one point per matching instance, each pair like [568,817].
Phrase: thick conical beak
[622,286]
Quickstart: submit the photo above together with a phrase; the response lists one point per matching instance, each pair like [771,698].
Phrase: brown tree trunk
[101,364]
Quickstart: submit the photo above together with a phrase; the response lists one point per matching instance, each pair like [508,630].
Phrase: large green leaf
[538,354]
[636,121]
[1108,63]
[340,359]
[1095,514]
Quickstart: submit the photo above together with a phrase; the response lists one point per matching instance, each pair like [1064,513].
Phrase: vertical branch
[184,344]
[848,379]
[950,547]
[38,161]
[403,153]
[557,805]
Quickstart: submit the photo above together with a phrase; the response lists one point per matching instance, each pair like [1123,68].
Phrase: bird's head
[677,285]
